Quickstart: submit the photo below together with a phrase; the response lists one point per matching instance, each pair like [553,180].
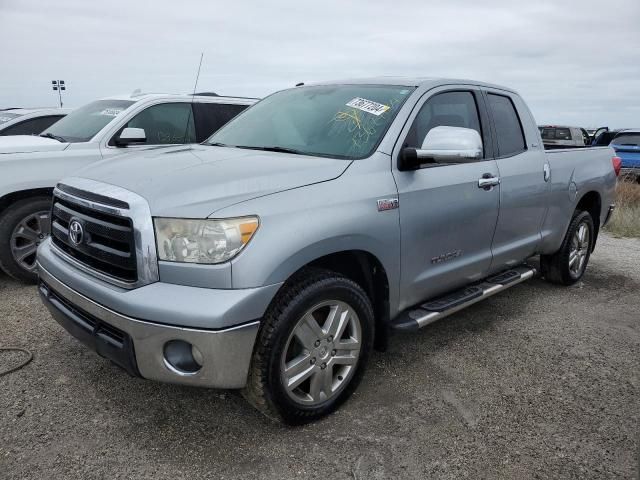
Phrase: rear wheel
[23,226]
[312,348]
[569,263]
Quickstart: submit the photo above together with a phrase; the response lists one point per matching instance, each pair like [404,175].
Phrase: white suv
[29,121]
[30,166]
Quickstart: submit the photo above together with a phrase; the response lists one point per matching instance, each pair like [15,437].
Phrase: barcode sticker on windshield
[368,106]
[111,112]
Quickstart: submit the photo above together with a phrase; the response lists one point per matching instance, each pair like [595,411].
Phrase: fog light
[182,358]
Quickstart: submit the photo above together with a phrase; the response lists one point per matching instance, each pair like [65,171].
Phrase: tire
[560,267]
[304,301]
[23,226]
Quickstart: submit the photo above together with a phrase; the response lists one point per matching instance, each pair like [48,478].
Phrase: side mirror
[444,145]
[131,136]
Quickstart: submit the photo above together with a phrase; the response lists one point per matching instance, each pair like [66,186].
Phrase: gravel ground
[537,382]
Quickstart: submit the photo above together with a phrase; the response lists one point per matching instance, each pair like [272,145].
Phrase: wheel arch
[366,270]
[592,202]
[10,198]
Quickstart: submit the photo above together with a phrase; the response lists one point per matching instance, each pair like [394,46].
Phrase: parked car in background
[554,137]
[594,132]
[29,121]
[626,143]
[273,256]
[30,166]
[604,137]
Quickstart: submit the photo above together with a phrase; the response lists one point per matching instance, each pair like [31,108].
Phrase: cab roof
[138,96]
[411,82]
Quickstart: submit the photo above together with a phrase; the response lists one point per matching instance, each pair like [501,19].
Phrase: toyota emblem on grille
[76,233]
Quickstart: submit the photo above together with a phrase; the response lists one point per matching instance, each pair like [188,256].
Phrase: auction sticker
[368,106]
[111,112]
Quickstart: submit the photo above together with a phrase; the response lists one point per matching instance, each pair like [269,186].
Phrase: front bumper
[139,346]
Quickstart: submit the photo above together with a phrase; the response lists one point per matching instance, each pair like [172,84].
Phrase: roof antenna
[195,85]
[193,94]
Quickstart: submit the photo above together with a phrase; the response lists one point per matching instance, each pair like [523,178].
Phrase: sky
[574,62]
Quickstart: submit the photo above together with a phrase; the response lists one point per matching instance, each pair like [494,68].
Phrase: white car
[30,166]
[29,121]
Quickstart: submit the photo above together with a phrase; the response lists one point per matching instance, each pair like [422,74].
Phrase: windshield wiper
[273,149]
[51,135]
[217,144]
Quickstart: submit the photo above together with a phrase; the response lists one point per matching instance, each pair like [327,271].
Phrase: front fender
[301,225]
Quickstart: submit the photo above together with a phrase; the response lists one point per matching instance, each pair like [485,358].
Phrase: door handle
[547,172]
[488,181]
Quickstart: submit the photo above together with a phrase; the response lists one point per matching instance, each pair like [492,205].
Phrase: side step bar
[426,313]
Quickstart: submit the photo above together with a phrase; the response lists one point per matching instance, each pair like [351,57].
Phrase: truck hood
[29,143]
[196,181]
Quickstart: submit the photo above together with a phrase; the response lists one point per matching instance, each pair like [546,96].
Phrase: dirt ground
[537,382]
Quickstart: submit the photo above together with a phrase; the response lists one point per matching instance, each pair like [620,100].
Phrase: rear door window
[210,117]
[509,133]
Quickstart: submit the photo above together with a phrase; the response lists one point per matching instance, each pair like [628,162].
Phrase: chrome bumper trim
[226,353]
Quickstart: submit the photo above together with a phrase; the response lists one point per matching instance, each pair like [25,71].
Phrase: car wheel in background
[23,226]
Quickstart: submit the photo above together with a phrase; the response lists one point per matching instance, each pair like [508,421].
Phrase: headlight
[202,241]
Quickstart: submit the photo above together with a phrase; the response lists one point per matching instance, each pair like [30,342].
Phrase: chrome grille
[107,245]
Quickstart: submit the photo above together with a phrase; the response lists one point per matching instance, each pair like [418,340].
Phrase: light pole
[58,85]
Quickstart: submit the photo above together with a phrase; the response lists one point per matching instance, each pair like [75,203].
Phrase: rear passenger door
[524,177]
[209,117]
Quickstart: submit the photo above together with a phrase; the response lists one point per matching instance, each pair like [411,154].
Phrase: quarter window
[449,109]
[507,125]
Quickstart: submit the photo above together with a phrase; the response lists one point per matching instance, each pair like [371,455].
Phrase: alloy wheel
[322,352]
[579,250]
[26,236]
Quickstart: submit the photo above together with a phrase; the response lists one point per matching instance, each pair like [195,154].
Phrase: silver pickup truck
[274,256]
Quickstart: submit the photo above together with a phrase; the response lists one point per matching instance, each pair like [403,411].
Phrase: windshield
[5,116]
[338,121]
[82,124]
[627,139]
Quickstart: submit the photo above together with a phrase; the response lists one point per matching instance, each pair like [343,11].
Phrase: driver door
[447,221]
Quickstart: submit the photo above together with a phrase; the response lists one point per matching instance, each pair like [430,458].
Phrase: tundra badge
[387,204]
[446,256]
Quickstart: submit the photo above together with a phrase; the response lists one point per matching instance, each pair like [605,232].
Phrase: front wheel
[569,263]
[312,348]
[23,226]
